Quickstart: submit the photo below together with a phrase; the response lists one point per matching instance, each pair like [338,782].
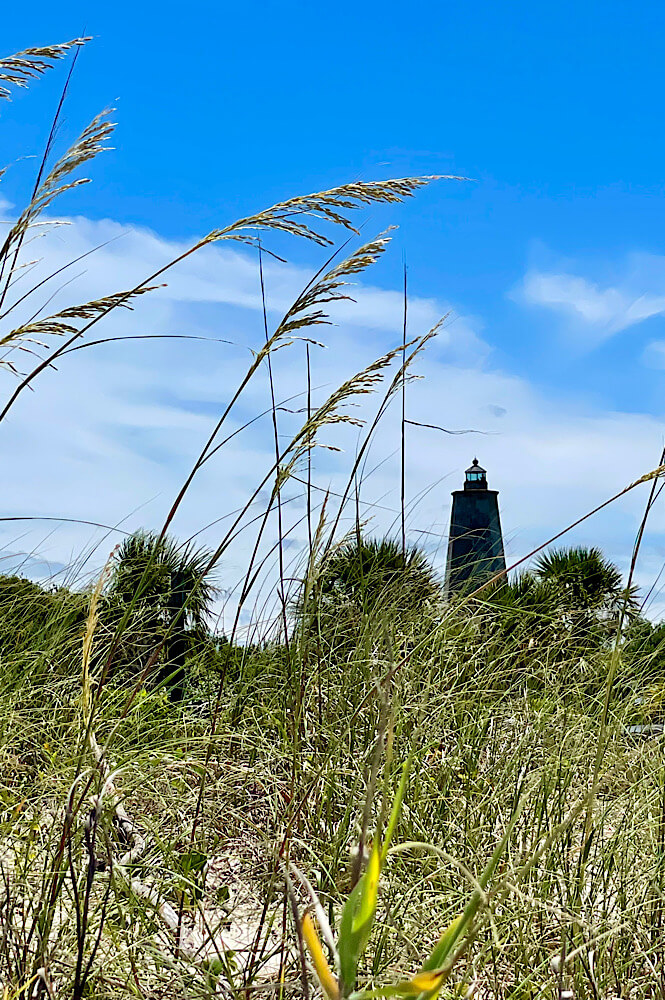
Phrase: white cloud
[653,355]
[110,436]
[596,312]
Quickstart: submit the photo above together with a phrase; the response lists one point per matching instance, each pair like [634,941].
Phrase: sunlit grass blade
[329,984]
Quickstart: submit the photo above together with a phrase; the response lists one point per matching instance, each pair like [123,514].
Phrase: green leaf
[191,865]
[465,920]
[348,942]
[192,862]
[222,895]
[445,944]
[425,983]
[357,919]
[396,809]
[364,918]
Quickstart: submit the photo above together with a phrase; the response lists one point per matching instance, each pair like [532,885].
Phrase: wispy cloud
[653,355]
[595,311]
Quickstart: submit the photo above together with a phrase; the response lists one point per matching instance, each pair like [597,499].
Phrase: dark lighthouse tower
[475,544]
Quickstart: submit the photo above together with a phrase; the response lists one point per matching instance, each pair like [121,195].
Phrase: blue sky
[551,258]
[555,113]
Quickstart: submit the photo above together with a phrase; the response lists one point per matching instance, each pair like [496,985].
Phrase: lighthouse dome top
[475,477]
[476,468]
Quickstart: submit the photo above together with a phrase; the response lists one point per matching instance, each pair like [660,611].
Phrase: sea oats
[18,70]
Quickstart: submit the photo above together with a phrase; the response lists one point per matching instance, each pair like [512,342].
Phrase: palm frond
[161,573]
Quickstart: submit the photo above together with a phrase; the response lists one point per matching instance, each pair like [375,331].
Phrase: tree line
[157,610]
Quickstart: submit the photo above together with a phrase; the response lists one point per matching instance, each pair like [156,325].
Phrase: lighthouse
[475,543]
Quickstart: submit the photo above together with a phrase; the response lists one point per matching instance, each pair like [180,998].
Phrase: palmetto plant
[369,571]
[369,576]
[364,587]
[169,590]
[563,611]
[582,578]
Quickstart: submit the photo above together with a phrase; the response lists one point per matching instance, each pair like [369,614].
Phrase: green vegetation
[163,595]
[304,758]
[358,585]
[384,795]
